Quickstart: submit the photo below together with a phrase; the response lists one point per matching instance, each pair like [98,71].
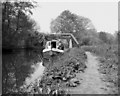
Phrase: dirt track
[91,82]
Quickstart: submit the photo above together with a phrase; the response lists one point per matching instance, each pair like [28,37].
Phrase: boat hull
[53,49]
[49,52]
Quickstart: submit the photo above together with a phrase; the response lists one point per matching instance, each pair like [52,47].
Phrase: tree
[68,22]
[110,38]
[107,37]
[35,40]
[16,23]
[103,37]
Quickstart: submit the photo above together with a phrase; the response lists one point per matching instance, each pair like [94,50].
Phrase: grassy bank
[108,57]
[61,72]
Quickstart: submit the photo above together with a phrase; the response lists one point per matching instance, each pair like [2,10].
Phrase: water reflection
[39,69]
[20,67]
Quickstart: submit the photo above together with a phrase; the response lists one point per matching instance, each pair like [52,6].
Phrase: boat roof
[54,36]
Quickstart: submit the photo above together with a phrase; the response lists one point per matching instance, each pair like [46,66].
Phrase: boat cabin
[59,42]
[54,45]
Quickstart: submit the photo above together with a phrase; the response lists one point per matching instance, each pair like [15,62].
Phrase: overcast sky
[104,15]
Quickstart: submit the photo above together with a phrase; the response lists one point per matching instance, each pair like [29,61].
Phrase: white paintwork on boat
[57,50]
[53,49]
[48,47]
[46,50]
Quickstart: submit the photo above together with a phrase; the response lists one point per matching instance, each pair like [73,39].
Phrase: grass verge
[108,57]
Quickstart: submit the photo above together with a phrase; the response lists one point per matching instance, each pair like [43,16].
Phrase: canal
[20,68]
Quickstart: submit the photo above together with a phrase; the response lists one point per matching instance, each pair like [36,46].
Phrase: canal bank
[60,73]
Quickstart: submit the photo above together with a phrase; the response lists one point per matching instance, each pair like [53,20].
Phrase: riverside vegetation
[62,73]
[108,57]
[60,70]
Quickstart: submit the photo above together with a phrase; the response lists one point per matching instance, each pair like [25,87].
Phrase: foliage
[82,28]
[68,22]
[103,37]
[16,23]
[35,40]
[63,66]
[107,38]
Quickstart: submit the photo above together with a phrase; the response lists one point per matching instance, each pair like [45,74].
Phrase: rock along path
[91,82]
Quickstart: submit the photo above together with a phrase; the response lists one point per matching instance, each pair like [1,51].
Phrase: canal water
[20,68]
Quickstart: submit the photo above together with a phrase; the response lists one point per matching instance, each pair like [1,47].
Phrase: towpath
[91,82]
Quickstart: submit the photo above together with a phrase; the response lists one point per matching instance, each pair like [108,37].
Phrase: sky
[104,15]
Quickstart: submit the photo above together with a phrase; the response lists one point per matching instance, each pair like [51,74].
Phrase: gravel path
[91,82]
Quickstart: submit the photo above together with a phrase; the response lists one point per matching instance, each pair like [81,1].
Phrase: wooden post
[70,43]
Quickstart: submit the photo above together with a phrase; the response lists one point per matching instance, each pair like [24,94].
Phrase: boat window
[53,44]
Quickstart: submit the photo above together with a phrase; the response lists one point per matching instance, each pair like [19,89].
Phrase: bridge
[70,37]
